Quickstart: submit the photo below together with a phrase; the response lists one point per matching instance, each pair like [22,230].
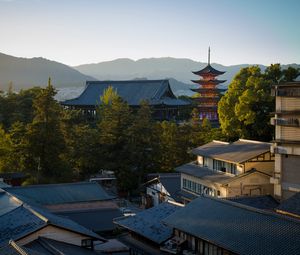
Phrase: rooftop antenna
[208,55]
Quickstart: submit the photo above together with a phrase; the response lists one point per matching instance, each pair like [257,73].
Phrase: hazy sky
[89,31]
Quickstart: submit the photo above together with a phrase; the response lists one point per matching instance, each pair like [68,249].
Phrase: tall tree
[45,139]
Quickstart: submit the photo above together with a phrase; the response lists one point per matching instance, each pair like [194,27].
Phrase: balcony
[290,122]
[286,92]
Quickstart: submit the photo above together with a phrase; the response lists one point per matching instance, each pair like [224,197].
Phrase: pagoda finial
[208,56]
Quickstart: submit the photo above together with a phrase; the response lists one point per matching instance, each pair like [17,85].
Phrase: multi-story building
[286,145]
[242,168]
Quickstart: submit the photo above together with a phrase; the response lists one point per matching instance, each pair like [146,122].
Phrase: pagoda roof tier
[206,99]
[207,90]
[208,70]
[208,82]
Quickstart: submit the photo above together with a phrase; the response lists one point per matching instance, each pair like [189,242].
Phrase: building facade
[286,145]
[242,168]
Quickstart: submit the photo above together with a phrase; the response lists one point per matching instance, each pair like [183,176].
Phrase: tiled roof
[25,219]
[204,173]
[291,205]
[156,92]
[50,246]
[148,223]
[265,202]
[238,228]
[237,152]
[209,70]
[48,194]
[96,220]
[13,249]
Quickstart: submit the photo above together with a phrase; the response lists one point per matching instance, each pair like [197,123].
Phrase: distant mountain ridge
[29,72]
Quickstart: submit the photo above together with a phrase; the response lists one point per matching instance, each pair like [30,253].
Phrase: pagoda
[208,93]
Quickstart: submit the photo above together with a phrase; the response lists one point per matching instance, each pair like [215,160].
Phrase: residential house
[161,187]
[286,146]
[228,170]
[147,226]
[28,229]
[86,203]
[213,226]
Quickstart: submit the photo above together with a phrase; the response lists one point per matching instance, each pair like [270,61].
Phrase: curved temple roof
[156,92]
[208,70]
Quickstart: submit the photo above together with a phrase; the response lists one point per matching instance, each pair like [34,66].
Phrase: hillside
[26,73]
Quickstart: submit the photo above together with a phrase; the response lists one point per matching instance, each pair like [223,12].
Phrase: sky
[77,32]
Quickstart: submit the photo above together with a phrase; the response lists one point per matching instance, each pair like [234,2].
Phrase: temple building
[208,95]
[158,94]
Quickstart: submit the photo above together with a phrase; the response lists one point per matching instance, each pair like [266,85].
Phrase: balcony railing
[286,92]
[290,122]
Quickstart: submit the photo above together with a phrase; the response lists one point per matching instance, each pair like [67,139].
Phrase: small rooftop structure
[148,223]
[237,152]
[238,228]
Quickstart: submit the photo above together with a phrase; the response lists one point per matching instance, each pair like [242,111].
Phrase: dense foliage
[50,144]
[246,108]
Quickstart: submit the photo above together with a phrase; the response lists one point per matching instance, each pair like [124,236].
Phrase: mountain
[29,72]
[153,68]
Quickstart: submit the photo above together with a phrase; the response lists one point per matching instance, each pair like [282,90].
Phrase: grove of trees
[49,144]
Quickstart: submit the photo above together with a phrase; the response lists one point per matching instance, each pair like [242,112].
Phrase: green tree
[114,120]
[45,139]
[245,108]
[5,151]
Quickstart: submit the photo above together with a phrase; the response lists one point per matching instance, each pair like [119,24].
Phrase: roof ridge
[250,208]
[218,141]
[124,81]
[252,141]
[49,184]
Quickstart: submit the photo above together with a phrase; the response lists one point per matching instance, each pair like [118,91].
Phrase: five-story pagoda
[208,95]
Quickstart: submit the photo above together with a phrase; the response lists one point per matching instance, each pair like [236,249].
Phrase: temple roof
[208,70]
[212,82]
[156,92]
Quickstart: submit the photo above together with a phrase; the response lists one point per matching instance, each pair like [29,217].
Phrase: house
[29,229]
[286,146]
[211,225]
[161,187]
[147,226]
[86,203]
[157,93]
[242,168]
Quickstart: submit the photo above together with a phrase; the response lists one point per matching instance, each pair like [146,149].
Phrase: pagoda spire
[208,56]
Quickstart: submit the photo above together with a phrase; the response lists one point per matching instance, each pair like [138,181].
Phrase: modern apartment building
[286,146]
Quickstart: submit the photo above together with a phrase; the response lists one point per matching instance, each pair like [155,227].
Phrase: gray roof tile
[291,205]
[237,152]
[238,228]
[156,92]
[48,194]
[148,223]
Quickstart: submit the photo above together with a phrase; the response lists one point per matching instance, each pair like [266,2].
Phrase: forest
[50,144]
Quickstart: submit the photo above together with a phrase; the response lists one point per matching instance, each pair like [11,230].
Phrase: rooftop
[291,206]
[49,194]
[208,70]
[148,223]
[156,92]
[238,228]
[204,173]
[237,152]
[265,202]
